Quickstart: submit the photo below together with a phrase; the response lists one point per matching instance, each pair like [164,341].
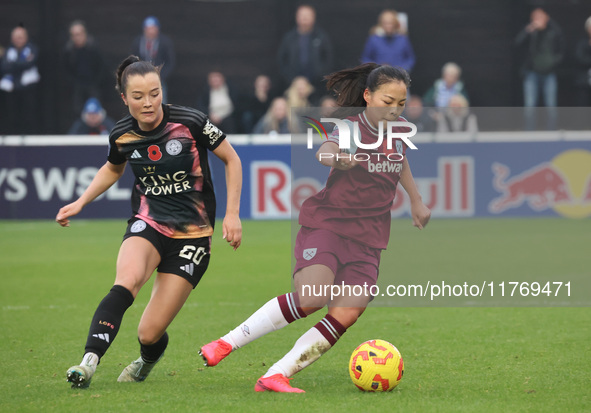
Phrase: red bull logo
[541,187]
[562,184]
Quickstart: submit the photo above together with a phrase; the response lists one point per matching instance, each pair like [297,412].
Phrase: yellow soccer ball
[376,365]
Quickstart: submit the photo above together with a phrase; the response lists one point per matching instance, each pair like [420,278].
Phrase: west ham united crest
[309,253]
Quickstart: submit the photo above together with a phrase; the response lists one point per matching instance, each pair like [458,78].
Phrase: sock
[309,347]
[275,314]
[107,319]
[151,353]
[90,360]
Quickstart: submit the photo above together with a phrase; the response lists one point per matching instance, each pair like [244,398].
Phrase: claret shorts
[351,262]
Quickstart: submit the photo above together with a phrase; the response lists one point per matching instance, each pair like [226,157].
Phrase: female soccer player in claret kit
[173,218]
[343,230]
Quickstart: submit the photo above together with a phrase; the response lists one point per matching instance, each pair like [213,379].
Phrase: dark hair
[132,65]
[350,84]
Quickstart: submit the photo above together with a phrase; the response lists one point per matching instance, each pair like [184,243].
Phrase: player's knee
[347,316]
[133,282]
[149,336]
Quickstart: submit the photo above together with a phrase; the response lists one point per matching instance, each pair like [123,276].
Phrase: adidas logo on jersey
[189,268]
[104,337]
[135,155]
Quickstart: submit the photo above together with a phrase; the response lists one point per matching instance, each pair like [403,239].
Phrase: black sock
[151,353]
[107,319]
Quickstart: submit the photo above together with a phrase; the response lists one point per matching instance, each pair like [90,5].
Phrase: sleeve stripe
[189,118]
[187,114]
[122,126]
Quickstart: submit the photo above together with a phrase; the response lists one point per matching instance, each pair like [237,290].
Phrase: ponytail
[349,84]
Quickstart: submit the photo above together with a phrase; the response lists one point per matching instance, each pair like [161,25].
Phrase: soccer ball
[376,365]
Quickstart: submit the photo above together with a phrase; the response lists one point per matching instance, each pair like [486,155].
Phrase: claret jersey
[356,203]
[173,191]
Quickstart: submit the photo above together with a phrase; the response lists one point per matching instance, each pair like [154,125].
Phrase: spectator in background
[457,117]
[415,113]
[583,76]
[387,45]
[443,89]
[93,121]
[328,106]
[299,92]
[20,77]
[157,48]
[543,50]
[306,50]
[276,120]
[255,104]
[84,64]
[218,101]
[298,96]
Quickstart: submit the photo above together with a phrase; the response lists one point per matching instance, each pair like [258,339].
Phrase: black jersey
[173,191]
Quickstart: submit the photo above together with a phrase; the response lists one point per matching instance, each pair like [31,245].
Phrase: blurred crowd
[305,54]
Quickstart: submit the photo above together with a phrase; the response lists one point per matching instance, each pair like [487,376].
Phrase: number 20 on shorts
[189,253]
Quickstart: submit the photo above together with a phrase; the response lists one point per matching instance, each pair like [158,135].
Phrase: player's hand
[420,214]
[232,230]
[344,161]
[68,211]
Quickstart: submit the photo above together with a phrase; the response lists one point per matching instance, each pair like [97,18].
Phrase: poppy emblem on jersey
[154,153]
[138,226]
[309,253]
[174,147]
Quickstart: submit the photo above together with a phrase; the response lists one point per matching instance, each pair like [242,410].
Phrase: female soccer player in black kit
[173,215]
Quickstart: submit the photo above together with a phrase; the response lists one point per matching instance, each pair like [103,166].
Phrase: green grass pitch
[481,357]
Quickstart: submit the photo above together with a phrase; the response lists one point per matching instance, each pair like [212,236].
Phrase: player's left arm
[419,211]
[232,227]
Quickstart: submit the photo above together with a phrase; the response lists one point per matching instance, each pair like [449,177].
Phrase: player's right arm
[329,154]
[105,177]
